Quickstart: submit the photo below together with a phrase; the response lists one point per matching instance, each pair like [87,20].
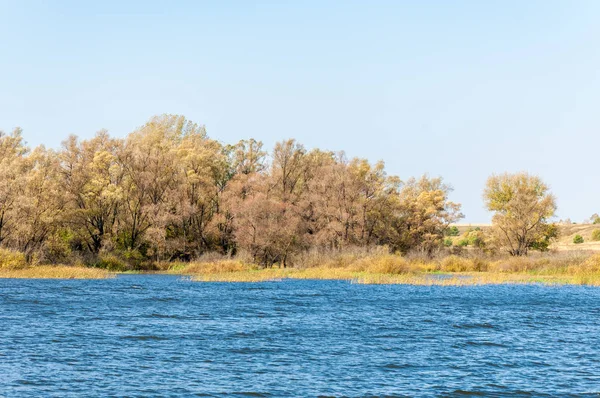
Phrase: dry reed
[55,272]
[384,268]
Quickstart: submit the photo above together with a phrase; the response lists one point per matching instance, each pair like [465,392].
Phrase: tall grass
[355,264]
[378,266]
[55,272]
[11,260]
[14,265]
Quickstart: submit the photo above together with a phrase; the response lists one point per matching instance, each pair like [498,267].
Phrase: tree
[246,157]
[203,174]
[287,170]
[347,202]
[265,204]
[41,203]
[91,177]
[150,174]
[167,191]
[522,206]
[425,212]
[330,207]
[13,167]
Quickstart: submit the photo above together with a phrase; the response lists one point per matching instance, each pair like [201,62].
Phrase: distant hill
[565,240]
[568,232]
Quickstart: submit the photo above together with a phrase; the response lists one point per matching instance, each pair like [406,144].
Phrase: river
[157,335]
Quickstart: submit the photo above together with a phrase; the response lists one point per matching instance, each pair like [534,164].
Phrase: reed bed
[384,268]
[358,266]
[55,272]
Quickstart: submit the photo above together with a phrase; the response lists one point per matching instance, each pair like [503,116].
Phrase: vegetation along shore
[167,198]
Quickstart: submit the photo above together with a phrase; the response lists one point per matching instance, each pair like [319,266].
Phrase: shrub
[10,259]
[578,239]
[596,235]
[549,235]
[111,262]
[422,265]
[475,238]
[592,264]
[133,257]
[454,264]
[387,264]
[216,267]
[452,231]
[480,265]
[516,264]
[462,264]
[463,242]
[448,242]
[57,249]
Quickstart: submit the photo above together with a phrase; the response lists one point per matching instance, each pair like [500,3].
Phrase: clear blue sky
[460,89]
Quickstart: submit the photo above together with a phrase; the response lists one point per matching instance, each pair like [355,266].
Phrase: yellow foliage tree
[522,206]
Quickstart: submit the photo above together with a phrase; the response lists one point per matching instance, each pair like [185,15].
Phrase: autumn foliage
[169,192]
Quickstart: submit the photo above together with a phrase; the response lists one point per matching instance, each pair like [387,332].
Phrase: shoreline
[416,279]
[56,272]
[430,277]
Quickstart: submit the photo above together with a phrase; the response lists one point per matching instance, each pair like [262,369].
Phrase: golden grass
[427,279]
[377,268]
[483,278]
[10,259]
[55,272]
[391,269]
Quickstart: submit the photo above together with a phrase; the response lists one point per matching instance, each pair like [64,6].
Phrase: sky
[457,89]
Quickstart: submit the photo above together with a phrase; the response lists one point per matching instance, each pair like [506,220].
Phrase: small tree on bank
[522,205]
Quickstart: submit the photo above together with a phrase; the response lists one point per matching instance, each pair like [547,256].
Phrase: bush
[455,264]
[10,259]
[461,264]
[448,242]
[217,267]
[550,234]
[592,264]
[387,264]
[111,262]
[596,235]
[475,238]
[578,239]
[349,257]
[452,231]
[514,264]
[57,249]
[134,257]
[463,243]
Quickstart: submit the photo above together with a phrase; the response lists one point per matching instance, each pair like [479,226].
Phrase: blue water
[165,336]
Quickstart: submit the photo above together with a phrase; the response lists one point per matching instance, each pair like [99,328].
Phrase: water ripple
[155,335]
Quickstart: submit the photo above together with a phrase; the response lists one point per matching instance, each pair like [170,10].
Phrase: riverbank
[391,269]
[377,268]
[55,272]
[427,278]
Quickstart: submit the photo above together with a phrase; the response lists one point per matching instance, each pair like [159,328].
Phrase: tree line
[168,192]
